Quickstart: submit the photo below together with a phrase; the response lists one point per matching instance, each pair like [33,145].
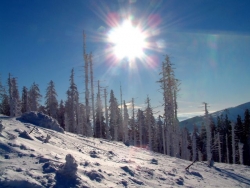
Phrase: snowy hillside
[99,163]
[232,114]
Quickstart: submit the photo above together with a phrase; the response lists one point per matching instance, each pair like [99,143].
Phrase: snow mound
[69,169]
[66,176]
[25,135]
[94,175]
[41,120]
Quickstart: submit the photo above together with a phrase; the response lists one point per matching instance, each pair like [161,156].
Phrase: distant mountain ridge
[232,114]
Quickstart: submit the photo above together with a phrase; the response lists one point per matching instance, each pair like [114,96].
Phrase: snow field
[100,163]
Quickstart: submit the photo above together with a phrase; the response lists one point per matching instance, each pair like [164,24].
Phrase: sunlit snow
[99,163]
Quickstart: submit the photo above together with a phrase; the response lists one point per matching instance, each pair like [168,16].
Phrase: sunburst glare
[128,41]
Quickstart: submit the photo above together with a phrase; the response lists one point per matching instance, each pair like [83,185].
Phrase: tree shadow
[234,176]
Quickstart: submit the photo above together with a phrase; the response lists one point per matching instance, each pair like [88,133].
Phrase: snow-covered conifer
[240,146]
[5,106]
[92,90]
[149,122]
[81,126]
[227,149]
[125,123]
[208,138]
[2,91]
[15,103]
[34,97]
[169,86]
[219,146]
[60,114]
[140,122]
[100,125]
[233,142]
[4,101]
[121,113]
[25,100]
[51,103]
[185,152]
[114,116]
[133,124]
[10,95]
[106,116]
[86,68]
[72,106]
[194,143]
[160,135]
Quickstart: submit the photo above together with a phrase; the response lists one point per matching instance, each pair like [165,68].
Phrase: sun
[128,41]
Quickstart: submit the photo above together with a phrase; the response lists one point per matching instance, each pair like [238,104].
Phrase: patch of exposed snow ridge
[42,120]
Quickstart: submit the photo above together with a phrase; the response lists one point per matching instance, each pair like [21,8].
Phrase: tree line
[230,140]
[103,117]
[98,117]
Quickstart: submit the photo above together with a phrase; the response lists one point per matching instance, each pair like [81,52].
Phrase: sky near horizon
[208,42]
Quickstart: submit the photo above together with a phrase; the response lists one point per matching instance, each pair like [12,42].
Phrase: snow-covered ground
[99,163]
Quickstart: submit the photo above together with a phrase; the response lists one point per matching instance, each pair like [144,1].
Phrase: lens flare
[128,41]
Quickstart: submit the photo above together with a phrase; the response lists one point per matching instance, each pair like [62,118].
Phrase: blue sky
[208,42]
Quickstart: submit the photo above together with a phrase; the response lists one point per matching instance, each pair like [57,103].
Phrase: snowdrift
[42,120]
[69,160]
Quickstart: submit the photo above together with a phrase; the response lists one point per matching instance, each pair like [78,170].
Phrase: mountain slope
[99,163]
[232,114]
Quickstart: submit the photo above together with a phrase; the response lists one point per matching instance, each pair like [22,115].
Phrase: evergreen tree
[234,143]
[228,132]
[240,146]
[42,109]
[82,127]
[227,150]
[92,91]
[114,116]
[185,144]
[34,97]
[219,146]
[15,103]
[120,124]
[107,132]
[25,100]
[51,103]
[100,125]
[208,137]
[246,137]
[4,101]
[239,129]
[202,142]
[125,124]
[2,91]
[5,106]
[220,127]
[194,143]
[140,123]
[10,96]
[169,87]
[159,134]
[134,128]
[72,106]
[157,140]
[60,114]
[149,120]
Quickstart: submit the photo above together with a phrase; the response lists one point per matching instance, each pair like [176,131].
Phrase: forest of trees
[220,141]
